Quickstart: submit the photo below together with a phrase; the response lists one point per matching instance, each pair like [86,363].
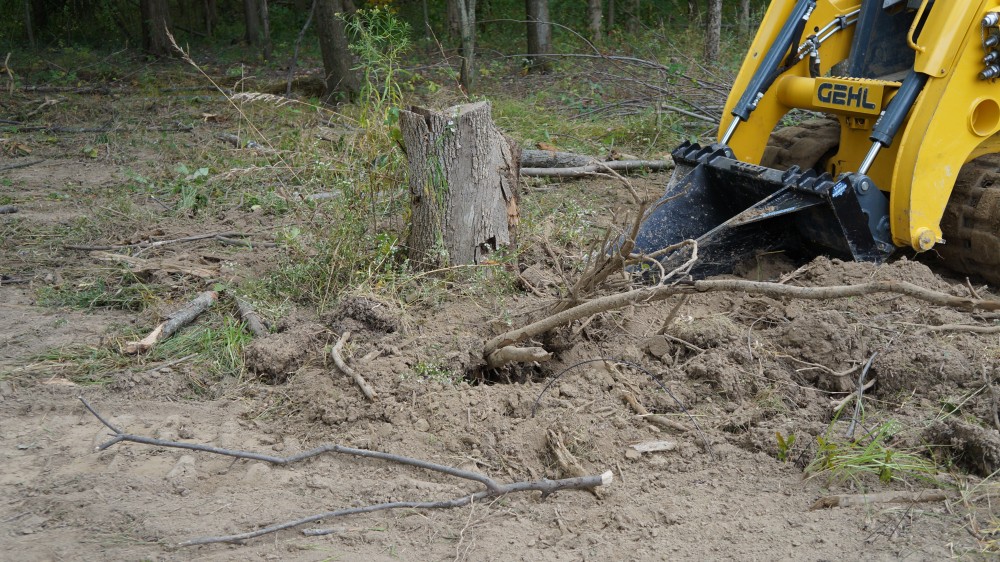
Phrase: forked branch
[493,488]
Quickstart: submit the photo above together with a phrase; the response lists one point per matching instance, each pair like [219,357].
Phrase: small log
[511,354]
[599,167]
[338,360]
[174,322]
[531,158]
[8,209]
[253,320]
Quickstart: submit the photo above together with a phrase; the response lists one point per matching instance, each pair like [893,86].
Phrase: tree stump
[463,185]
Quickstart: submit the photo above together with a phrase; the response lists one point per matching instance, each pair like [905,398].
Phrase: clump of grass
[115,291]
[869,456]
[215,347]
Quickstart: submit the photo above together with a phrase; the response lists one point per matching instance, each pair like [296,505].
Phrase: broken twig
[174,322]
[493,488]
[366,388]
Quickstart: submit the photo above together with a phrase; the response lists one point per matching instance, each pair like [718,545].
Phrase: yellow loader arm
[913,84]
[955,117]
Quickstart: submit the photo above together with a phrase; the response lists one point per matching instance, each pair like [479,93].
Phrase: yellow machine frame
[955,118]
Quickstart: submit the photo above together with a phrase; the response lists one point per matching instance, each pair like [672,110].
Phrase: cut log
[463,185]
[174,322]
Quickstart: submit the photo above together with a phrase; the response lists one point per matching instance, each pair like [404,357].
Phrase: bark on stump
[463,184]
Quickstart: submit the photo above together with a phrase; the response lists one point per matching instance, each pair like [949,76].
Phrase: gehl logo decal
[849,96]
[842,94]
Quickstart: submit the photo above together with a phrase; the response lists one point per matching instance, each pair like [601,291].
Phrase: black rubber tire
[971,221]
[806,145]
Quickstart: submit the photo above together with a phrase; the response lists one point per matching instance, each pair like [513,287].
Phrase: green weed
[784,445]
[869,455]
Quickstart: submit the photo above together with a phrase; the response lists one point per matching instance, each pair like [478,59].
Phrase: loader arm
[913,84]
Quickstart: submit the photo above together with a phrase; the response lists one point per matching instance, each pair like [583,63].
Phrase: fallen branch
[142,266]
[774,290]
[851,500]
[174,322]
[61,129]
[253,320]
[156,243]
[493,488]
[226,241]
[366,388]
[4,280]
[970,328]
[17,165]
[8,209]
[591,169]
[511,354]
[531,158]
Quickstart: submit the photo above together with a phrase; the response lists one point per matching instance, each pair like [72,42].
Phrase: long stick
[652,294]
[493,489]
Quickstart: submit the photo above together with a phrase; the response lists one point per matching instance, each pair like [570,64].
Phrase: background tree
[713,30]
[595,15]
[155,16]
[340,77]
[467,16]
[539,35]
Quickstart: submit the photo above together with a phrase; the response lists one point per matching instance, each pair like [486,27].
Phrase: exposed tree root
[652,294]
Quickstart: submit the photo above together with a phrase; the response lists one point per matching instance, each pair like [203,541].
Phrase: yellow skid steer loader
[908,161]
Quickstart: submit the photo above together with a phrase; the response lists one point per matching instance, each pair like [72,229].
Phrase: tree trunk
[211,16]
[611,17]
[155,24]
[467,15]
[265,20]
[463,185]
[27,23]
[632,23]
[594,17]
[337,61]
[713,30]
[454,18]
[745,17]
[539,35]
[251,20]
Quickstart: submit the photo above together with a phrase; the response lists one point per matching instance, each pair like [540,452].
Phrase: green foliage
[119,291]
[870,455]
[435,372]
[379,40]
[784,445]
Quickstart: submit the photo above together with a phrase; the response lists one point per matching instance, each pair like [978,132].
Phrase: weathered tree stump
[463,185]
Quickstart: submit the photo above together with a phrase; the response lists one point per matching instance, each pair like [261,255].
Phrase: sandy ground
[744,367]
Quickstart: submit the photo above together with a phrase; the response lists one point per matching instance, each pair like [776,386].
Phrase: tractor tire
[971,221]
[807,145]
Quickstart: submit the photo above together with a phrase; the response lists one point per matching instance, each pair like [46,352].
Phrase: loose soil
[744,368]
